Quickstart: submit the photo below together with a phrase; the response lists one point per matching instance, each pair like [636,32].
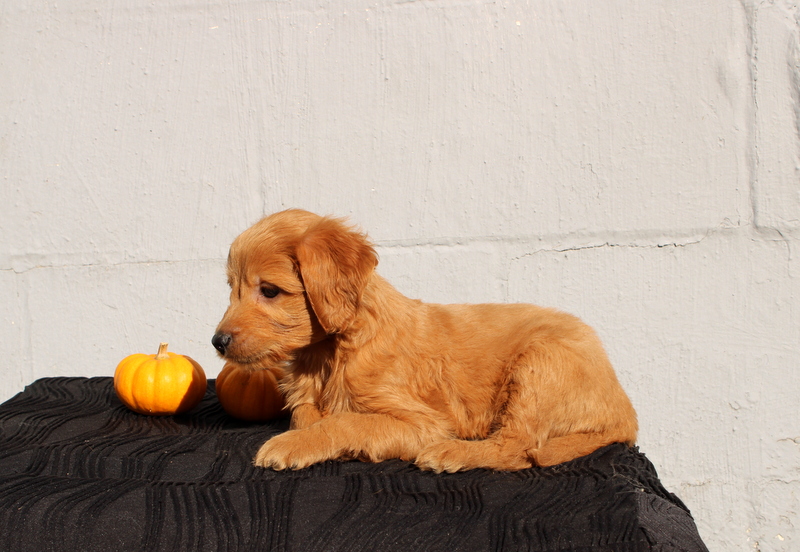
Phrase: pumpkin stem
[162,352]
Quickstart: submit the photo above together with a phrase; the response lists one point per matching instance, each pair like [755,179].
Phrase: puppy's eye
[270,291]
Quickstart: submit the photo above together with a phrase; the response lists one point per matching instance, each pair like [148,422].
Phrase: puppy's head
[295,278]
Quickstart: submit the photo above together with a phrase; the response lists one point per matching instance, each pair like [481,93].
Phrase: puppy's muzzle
[221,342]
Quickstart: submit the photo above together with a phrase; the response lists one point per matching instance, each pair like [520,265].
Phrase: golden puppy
[371,374]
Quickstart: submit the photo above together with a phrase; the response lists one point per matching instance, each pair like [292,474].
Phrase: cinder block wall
[634,163]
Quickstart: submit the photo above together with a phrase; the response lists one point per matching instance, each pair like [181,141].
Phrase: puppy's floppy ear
[335,263]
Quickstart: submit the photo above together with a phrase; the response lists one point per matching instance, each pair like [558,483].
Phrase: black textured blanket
[79,471]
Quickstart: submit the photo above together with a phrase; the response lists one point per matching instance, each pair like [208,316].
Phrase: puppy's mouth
[245,359]
[228,349]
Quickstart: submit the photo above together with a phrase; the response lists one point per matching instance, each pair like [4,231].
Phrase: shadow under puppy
[372,374]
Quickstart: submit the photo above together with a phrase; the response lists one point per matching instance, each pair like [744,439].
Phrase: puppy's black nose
[220,341]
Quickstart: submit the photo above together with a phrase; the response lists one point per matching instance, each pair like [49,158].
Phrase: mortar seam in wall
[27,269]
[751,15]
[531,245]
[572,242]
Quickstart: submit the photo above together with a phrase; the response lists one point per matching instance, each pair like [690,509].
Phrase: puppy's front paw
[295,449]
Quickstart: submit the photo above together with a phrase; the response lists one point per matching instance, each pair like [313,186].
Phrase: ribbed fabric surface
[78,471]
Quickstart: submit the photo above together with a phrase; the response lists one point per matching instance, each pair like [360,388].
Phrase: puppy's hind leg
[505,449]
[500,451]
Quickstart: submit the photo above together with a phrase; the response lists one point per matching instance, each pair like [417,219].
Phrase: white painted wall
[634,163]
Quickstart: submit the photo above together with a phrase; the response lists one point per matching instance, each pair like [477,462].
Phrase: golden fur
[372,374]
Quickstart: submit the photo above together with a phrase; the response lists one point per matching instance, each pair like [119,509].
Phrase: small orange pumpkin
[251,395]
[161,384]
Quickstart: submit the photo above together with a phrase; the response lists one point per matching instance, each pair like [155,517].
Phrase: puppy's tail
[568,447]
